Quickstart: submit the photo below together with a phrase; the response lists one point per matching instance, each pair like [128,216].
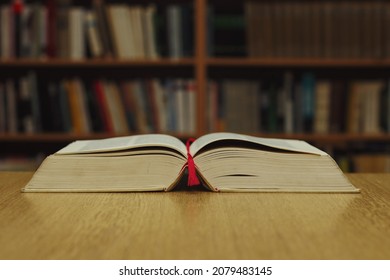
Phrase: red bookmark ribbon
[190,164]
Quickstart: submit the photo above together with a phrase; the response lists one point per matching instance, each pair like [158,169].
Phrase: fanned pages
[156,162]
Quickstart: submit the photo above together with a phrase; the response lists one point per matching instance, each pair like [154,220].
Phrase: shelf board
[52,137]
[323,138]
[297,62]
[162,62]
[215,62]
[64,137]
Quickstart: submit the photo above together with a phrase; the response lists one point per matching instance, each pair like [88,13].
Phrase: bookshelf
[106,62]
[299,62]
[201,66]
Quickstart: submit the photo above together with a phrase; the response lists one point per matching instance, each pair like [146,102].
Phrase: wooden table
[195,224]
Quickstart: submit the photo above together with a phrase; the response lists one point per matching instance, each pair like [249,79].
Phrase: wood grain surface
[195,224]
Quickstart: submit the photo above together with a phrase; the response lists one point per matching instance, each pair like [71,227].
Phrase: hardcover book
[219,161]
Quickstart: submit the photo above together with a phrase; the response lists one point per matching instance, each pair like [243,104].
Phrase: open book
[221,161]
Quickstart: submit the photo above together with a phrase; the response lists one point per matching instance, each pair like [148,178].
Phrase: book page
[124,143]
[283,144]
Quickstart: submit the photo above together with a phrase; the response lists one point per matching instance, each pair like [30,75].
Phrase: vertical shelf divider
[200,64]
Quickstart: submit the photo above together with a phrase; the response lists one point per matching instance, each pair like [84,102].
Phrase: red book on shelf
[103,109]
[51,34]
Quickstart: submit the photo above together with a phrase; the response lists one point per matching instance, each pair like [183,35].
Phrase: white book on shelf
[121,30]
[149,32]
[322,107]
[138,34]
[371,107]
[76,33]
[128,28]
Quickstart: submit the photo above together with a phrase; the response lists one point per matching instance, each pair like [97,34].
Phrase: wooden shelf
[325,138]
[297,62]
[184,62]
[163,62]
[52,137]
[64,137]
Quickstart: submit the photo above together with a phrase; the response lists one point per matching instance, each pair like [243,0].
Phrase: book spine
[102,104]
[129,104]
[12,117]
[103,28]
[174,31]
[51,49]
[64,108]
[76,33]
[93,37]
[6,31]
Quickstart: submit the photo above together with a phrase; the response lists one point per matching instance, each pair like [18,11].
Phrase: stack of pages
[223,161]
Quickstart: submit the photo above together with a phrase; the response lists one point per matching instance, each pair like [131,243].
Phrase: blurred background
[311,70]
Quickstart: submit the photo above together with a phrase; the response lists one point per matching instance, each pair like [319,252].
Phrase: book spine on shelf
[6,31]
[12,108]
[93,37]
[3,109]
[63,29]
[64,108]
[300,105]
[98,90]
[324,29]
[175,40]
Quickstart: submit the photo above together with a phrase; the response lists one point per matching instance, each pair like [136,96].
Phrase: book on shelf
[179,26]
[371,163]
[305,104]
[3,119]
[220,161]
[63,29]
[20,163]
[94,40]
[33,105]
[77,23]
[225,31]
[321,29]
[364,107]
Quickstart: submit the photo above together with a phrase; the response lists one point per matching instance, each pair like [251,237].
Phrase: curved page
[282,144]
[124,143]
